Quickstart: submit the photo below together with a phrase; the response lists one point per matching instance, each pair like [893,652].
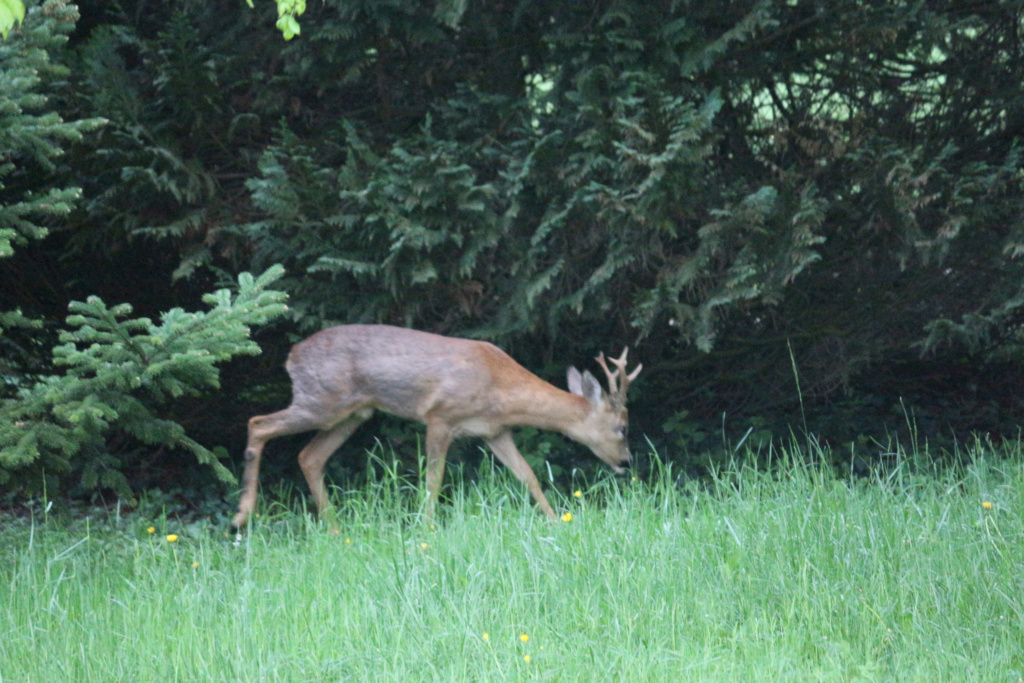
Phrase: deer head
[606,426]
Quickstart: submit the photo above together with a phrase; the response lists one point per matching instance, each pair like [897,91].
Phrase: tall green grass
[791,575]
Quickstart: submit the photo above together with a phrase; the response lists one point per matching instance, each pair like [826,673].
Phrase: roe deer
[457,387]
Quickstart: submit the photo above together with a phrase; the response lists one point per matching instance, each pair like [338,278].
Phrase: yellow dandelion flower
[348,541]
[487,636]
[987,505]
[524,637]
[195,565]
[151,530]
[567,517]
[526,658]
[171,538]
[577,493]
[424,545]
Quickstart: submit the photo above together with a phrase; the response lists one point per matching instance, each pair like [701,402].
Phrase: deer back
[408,373]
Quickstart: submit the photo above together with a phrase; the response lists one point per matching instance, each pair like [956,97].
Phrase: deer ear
[575,381]
[592,389]
[586,386]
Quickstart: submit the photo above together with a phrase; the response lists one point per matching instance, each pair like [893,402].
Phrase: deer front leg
[505,449]
[439,438]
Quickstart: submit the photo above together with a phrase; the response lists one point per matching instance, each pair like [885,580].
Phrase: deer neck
[545,406]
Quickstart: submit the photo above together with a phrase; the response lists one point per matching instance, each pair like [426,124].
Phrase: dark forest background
[803,216]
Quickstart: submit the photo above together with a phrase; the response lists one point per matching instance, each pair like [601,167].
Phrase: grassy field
[795,576]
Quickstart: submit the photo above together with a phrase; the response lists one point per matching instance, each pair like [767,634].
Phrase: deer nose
[622,466]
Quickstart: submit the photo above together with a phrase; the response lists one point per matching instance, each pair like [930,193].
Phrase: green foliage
[532,232]
[33,193]
[418,221]
[118,372]
[714,184]
[288,12]
[11,12]
[152,171]
[916,186]
[497,214]
[31,136]
[704,450]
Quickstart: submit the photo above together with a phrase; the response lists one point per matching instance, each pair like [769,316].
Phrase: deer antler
[615,388]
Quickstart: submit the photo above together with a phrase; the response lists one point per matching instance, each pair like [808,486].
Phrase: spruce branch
[120,371]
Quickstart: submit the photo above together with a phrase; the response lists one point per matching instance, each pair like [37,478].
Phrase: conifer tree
[112,372]
[32,139]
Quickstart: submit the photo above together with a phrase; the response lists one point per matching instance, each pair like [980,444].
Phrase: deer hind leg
[318,451]
[505,449]
[262,429]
